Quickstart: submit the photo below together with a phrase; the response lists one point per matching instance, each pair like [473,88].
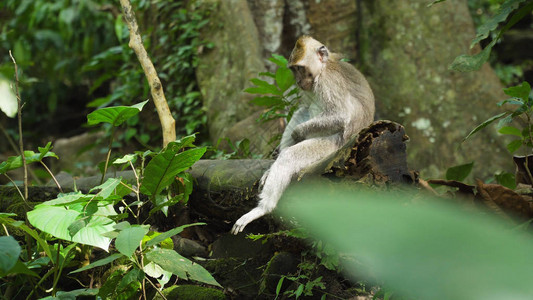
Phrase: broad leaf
[520,91]
[514,145]
[114,115]
[468,63]
[279,60]
[125,159]
[284,78]
[9,253]
[8,100]
[66,199]
[107,188]
[506,179]
[510,130]
[485,124]
[4,219]
[163,168]
[171,261]
[133,277]
[459,173]
[56,221]
[129,239]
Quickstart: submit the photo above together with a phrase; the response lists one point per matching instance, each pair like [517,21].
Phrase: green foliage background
[74,56]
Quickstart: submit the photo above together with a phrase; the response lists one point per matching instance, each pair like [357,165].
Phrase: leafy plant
[280,96]
[521,99]
[306,278]
[92,219]
[465,63]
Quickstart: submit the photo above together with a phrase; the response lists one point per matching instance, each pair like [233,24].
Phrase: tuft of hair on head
[299,50]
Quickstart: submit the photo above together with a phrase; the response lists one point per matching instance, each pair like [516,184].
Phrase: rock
[188,248]
[73,158]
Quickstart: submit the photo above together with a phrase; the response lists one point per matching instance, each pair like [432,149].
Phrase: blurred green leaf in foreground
[428,250]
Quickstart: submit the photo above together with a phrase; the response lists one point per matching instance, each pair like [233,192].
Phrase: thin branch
[52,175]
[19,115]
[168,124]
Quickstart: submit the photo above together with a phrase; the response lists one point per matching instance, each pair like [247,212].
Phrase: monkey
[337,103]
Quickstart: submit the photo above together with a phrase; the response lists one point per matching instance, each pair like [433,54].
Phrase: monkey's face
[303,77]
[307,60]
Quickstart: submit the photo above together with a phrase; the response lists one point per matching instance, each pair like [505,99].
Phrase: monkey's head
[307,60]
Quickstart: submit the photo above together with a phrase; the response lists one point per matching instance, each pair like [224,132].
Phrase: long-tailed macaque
[337,103]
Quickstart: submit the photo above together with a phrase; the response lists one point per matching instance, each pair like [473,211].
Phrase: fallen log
[226,189]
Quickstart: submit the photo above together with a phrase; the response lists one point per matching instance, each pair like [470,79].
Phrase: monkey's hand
[247,218]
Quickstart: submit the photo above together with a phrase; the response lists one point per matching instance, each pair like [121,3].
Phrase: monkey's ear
[323,53]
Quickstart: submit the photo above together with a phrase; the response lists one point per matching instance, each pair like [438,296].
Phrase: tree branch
[168,124]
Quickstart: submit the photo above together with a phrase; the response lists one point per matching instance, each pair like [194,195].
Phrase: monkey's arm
[322,125]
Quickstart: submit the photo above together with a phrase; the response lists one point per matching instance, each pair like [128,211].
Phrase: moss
[191,292]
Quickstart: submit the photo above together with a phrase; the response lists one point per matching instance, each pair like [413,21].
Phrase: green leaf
[485,124]
[19,224]
[9,253]
[98,263]
[284,78]
[478,254]
[280,284]
[506,179]
[107,188]
[510,130]
[520,91]
[114,115]
[163,168]
[15,162]
[45,151]
[163,236]
[66,199]
[129,239]
[132,277]
[171,261]
[125,159]
[279,60]
[19,268]
[514,145]
[299,290]
[468,63]
[56,221]
[510,101]
[459,173]
[184,142]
